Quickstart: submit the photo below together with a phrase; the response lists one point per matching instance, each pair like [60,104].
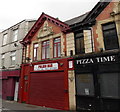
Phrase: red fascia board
[10,73]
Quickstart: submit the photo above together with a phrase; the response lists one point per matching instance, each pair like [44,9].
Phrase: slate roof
[76,19]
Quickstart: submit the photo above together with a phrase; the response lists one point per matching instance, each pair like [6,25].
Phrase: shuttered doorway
[47,89]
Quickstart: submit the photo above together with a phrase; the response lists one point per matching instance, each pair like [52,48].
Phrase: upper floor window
[35,51]
[110,36]
[15,35]
[3,59]
[79,43]
[57,47]
[13,57]
[5,36]
[45,49]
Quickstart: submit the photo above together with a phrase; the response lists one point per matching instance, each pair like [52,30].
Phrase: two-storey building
[44,75]
[97,58]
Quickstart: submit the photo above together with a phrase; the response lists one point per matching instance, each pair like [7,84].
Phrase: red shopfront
[45,84]
[9,81]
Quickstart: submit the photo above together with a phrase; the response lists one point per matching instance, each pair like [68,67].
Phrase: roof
[25,20]
[39,22]
[76,19]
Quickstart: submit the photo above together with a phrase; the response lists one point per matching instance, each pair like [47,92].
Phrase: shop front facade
[97,81]
[46,84]
[46,73]
[10,84]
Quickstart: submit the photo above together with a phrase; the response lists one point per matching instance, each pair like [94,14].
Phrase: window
[4,39]
[110,36]
[35,51]
[15,34]
[3,59]
[45,49]
[57,47]
[79,43]
[109,85]
[13,57]
[85,84]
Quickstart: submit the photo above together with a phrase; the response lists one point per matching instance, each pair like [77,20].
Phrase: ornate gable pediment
[45,31]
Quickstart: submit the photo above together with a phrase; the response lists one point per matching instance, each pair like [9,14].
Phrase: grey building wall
[23,28]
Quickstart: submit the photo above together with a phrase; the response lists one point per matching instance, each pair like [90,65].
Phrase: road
[12,106]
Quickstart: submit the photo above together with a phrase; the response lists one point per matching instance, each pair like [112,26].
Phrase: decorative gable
[45,30]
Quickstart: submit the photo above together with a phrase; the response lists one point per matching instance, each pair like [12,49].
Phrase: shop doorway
[25,90]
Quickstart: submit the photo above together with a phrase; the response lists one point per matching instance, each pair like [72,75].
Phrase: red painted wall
[63,66]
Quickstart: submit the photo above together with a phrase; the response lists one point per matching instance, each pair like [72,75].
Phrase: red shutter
[47,89]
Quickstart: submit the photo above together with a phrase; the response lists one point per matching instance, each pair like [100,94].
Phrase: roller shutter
[47,89]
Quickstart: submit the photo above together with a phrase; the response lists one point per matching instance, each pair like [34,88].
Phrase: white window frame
[13,57]
[3,59]
[15,35]
[5,36]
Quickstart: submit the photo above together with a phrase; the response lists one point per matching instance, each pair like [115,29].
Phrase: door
[4,89]
[25,90]
[16,91]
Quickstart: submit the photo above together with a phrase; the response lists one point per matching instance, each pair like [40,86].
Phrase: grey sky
[14,11]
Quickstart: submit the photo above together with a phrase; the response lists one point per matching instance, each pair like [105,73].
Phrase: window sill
[12,66]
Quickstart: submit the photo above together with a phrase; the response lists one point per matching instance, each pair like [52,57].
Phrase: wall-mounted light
[101,49]
[3,67]
[27,58]
[15,44]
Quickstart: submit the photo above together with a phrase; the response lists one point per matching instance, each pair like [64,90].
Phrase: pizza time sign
[97,59]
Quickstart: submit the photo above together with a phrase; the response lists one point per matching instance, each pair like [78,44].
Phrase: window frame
[15,35]
[58,44]
[114,37]
[13,55]
[4,41]
[3,59]
[81,37]
[46,47]
[35,58]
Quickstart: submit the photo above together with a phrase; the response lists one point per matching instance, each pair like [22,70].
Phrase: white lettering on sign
[98,60]
[49,66]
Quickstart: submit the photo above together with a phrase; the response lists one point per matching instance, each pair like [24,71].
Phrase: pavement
[13,106]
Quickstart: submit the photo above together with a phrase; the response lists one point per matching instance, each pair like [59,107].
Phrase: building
[44,72]
[73,65]
[11,58]
[97,57]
